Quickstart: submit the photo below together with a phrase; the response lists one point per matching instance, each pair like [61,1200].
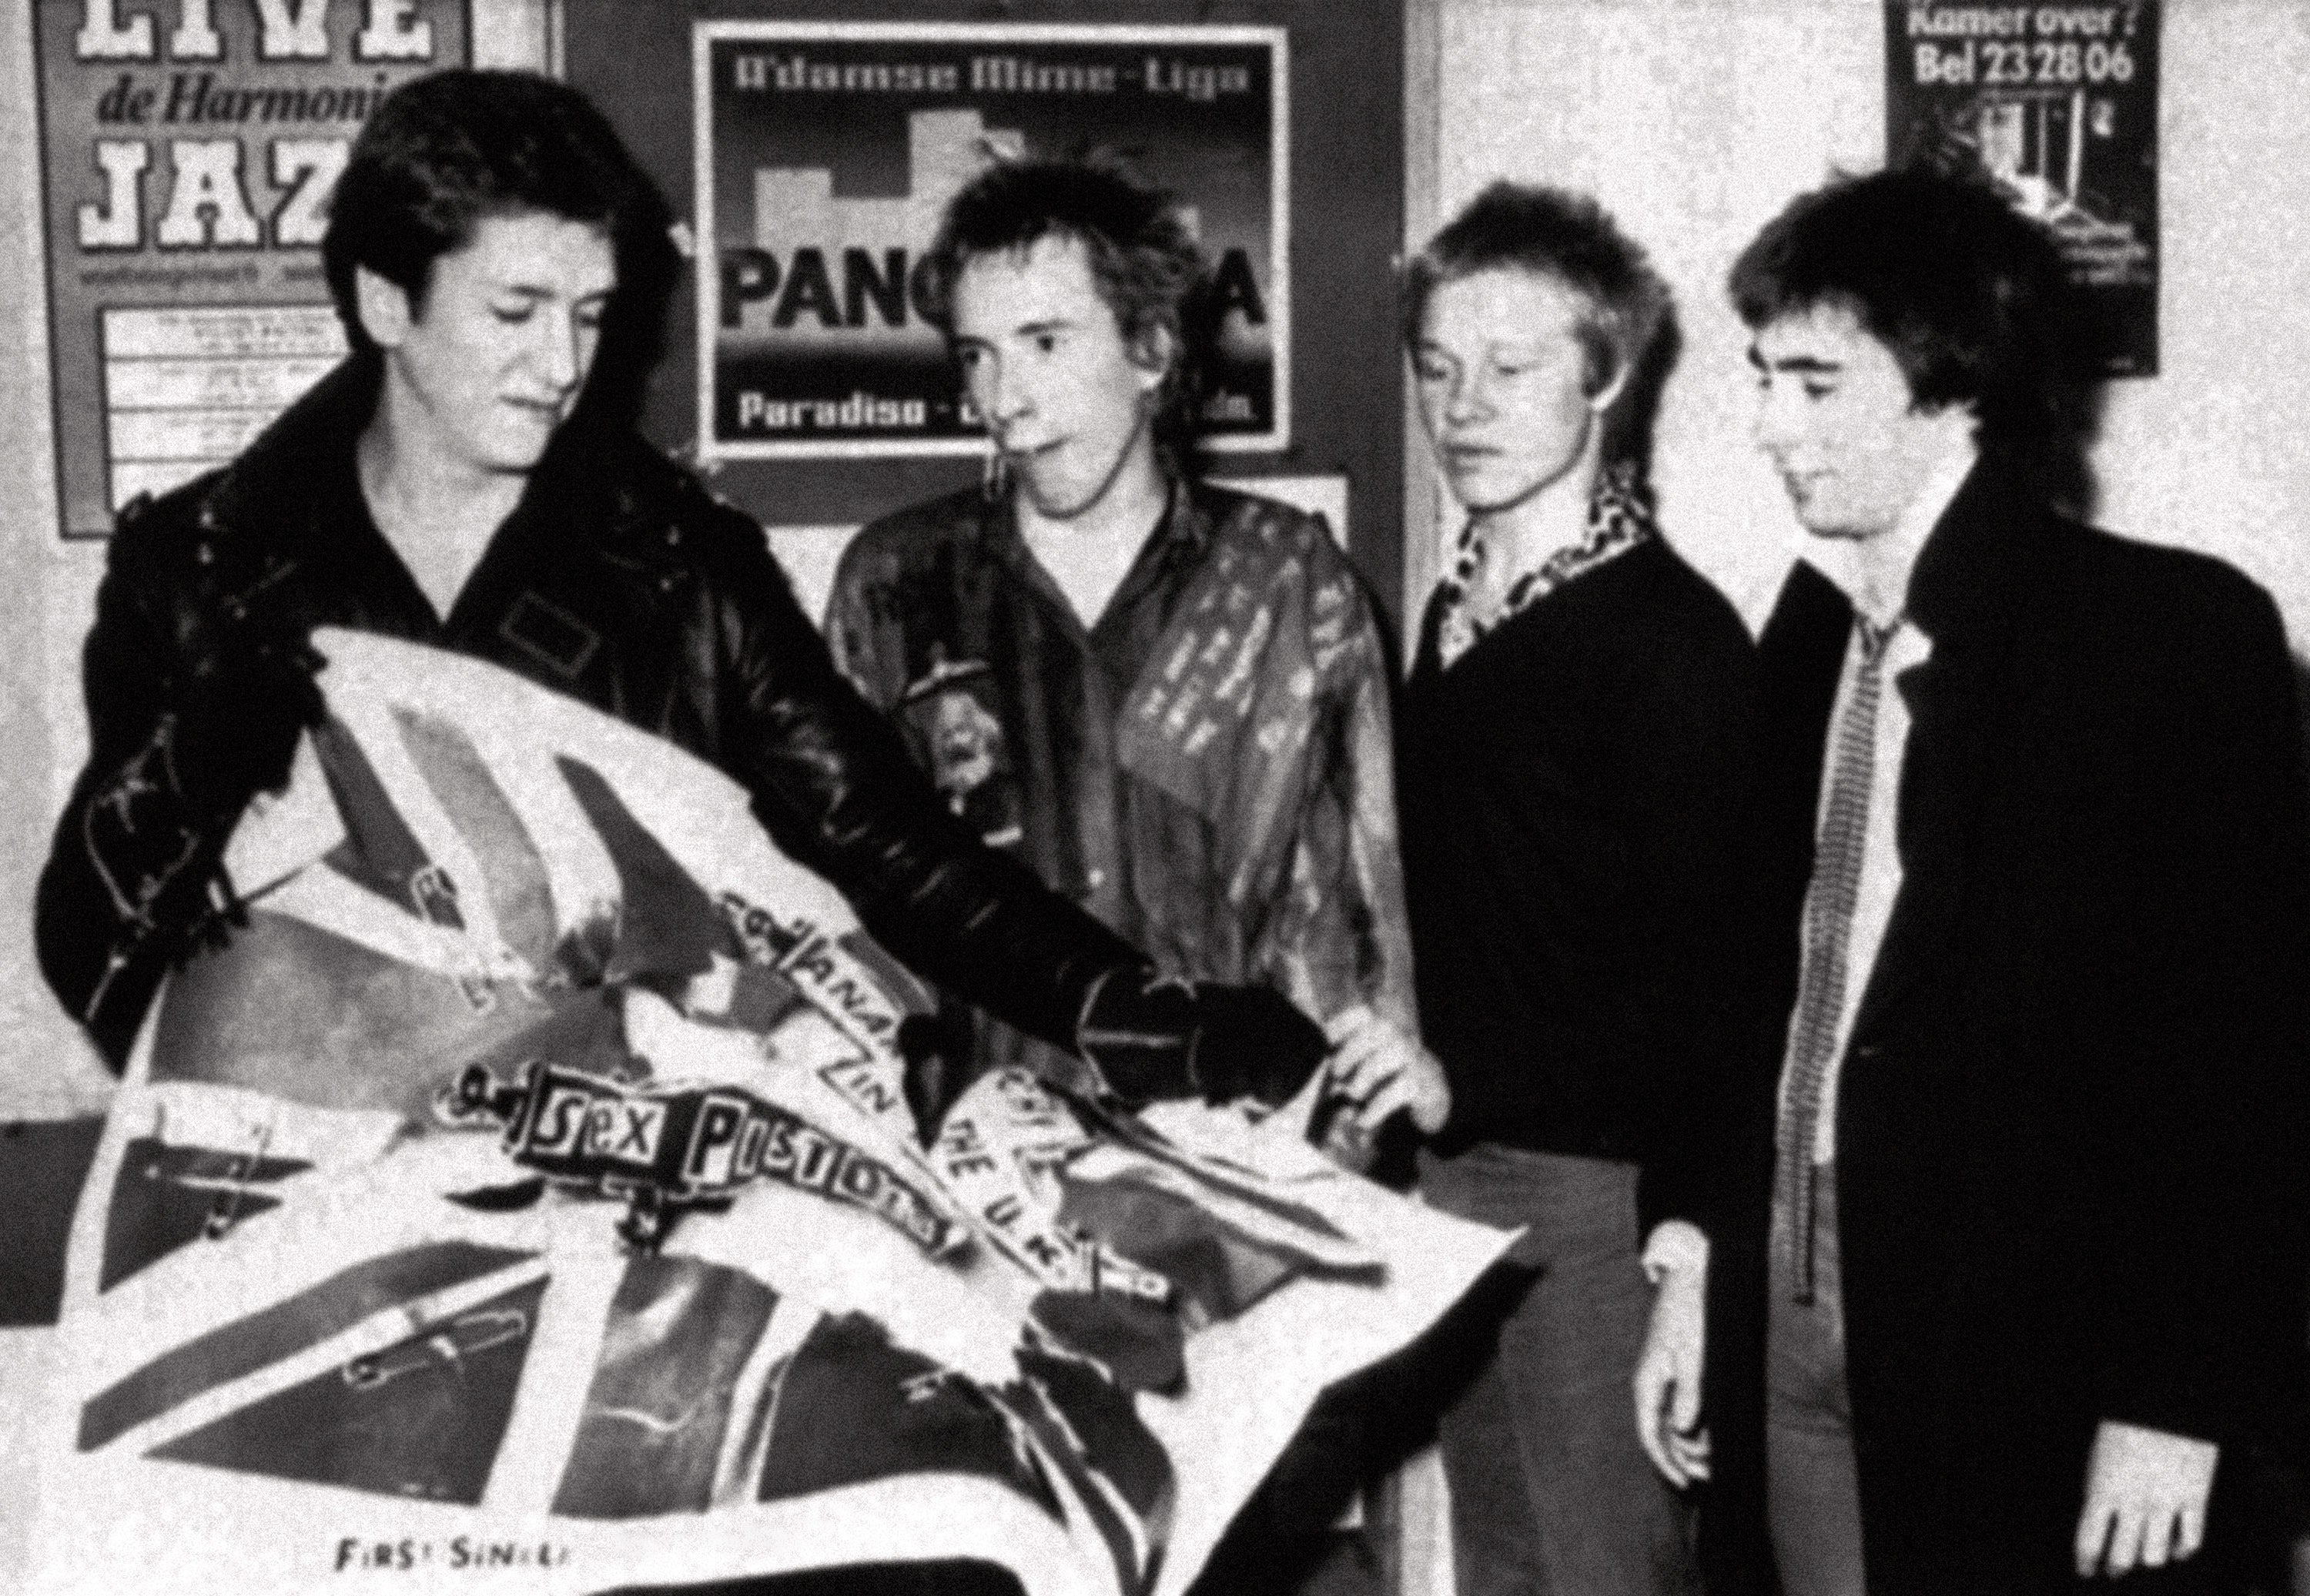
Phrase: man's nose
[559,356]
[1007,396]
[1467,401]
[1775,425]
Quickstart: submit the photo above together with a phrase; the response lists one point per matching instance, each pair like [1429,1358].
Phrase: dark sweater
[1570,791]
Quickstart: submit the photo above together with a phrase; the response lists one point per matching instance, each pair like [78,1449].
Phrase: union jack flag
[354,1285]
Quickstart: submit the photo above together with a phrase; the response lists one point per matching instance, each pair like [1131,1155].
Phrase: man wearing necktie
[2022,1272]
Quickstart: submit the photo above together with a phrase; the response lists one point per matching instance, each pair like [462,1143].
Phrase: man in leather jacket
[459,481]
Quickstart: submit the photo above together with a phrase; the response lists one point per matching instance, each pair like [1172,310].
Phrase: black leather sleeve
[129,872]
[833,785]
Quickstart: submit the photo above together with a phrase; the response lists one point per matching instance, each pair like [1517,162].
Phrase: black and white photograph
[1154,798]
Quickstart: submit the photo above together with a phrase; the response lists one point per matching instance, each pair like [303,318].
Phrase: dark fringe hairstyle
[1970,297]
[445,150]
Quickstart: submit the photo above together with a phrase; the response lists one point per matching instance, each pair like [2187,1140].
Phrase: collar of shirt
[1618,517]
[1178,542]
[1873,572]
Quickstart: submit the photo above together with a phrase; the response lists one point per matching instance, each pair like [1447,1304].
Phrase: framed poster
[2057,106]
[188,152]
[826,151]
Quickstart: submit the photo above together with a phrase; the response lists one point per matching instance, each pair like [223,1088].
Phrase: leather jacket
[618,580]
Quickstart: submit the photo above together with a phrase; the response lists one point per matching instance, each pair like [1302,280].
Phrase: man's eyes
[1444,371]
[1812,387]
[588,317]
[971,357]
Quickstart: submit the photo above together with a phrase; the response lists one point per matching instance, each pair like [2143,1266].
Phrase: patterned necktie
[1828,933]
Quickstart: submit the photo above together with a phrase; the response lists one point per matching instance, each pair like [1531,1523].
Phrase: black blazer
[2070,1095]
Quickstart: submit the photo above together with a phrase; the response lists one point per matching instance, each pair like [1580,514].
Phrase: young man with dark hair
[1166,697]
[469,479]
[2020,1263]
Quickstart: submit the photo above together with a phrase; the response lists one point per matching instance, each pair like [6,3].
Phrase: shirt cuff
[1674,1247]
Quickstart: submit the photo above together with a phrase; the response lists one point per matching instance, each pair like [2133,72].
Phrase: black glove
[1152,1036]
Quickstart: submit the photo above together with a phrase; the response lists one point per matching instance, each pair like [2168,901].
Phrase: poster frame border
[1905,99]
[706,31]
[49,325]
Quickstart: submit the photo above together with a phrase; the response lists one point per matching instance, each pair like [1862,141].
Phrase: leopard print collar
[1619,517]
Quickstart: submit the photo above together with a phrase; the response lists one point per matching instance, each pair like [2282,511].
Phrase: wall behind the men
[48,586]
[1696,121]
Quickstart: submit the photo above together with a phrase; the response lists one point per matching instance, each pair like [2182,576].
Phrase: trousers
[1551,1493]
[1811,1488]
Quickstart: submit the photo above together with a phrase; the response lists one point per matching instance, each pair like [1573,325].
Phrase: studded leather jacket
[618,580]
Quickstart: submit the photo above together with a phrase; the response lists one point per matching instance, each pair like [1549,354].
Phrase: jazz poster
[2056,105]
[826,152]
[188,150]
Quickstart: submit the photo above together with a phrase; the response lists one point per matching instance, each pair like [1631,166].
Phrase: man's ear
[1601,400]
[383,307]
[1152,352]
[1957,418]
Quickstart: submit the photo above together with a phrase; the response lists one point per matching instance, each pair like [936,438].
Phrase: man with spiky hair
[1575,739]
[2020,1259]
[1167,698]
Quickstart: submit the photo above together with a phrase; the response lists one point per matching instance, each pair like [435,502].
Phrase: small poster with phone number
[2056,105]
